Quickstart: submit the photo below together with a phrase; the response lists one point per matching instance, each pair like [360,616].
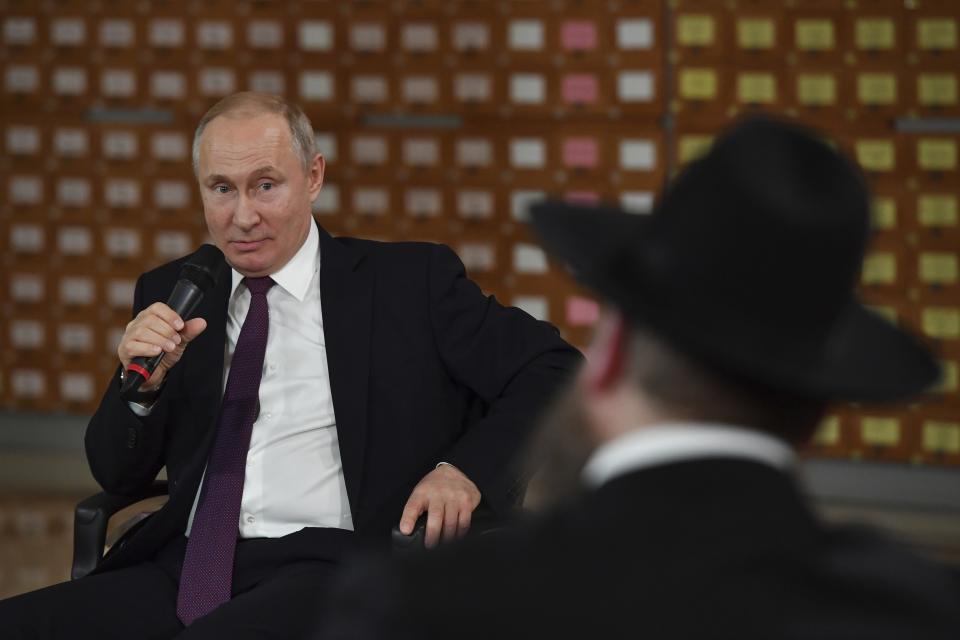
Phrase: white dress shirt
[676,442]
[294,477]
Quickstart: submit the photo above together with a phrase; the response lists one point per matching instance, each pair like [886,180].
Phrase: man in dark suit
[731,323]
[326,391]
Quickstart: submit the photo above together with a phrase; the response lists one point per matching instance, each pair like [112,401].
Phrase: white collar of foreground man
[296,275]
[676,442]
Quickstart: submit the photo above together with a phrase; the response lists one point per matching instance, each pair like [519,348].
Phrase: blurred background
[442,120]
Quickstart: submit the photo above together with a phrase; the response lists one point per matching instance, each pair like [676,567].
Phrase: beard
[559,449]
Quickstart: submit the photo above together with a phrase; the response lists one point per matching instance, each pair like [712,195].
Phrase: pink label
[578,35]
[582,312]
[580,153]
[590,198]
[580,88]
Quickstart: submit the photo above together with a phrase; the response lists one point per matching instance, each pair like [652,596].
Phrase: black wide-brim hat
[749,263]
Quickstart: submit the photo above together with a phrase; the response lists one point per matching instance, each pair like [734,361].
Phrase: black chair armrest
[482,522]
[90,525]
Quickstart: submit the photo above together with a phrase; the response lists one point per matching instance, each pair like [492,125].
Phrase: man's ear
[606,356]
[316,176]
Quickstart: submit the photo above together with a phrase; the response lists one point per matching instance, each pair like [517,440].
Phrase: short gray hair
[256,103]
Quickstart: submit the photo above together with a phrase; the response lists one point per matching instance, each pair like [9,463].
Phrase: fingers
[463,522]
[434,524]
[193,328]
[414,507]
[451,523]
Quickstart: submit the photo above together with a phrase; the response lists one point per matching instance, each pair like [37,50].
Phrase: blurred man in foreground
[732,322]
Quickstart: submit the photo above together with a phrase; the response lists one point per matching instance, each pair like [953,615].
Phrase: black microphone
[202,270]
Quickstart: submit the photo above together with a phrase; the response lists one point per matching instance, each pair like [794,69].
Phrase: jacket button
[131,437]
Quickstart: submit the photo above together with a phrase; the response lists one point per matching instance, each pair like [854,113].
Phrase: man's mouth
[247,245]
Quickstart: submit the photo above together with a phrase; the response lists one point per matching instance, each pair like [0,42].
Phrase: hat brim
[864,358]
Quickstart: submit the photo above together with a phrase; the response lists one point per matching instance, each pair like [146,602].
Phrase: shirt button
[250,519]
[272,367]
[269,416]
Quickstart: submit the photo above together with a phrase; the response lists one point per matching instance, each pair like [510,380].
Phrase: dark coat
[423,368]
[701,549]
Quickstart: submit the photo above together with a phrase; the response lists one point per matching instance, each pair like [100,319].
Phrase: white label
[20,79]
[119,145]
[423,202]
[121,193]
[118,83]
[68,32]
[26,238]
[69,82]
[527,88]
[316,85]
[420,89]
[526,35]
[74,192]
[169,85]
[70,142]
[25,190]
[171,194]
[420,152]
[368,37]
[418,37]
[315,35]
[371,200]
[472,87]
[536,306]
[74,241]
[265,34]
[529,258]
[113,338]
[634,33]
[326,145]
[26,334]
[214,34]
[635,86]
[478,256]
[169,146]
[328,202]
[475,203]
[19,31]
[76,387]
[470,36]
[637,201]
[116,33]
[217,82]
[474,152]
[267,82]
[23,140]
[75,338]
[122,243]
[28,383]
[369,150]
[171,244]
[77,290]
[119,296]
[638,155]
[521,201]
[27,287]
[166,33]
[369,89]
[527,153]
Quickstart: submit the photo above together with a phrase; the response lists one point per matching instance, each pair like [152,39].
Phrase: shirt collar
[296,275]
[665,443]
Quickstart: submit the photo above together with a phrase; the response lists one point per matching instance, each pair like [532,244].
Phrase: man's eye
[222,188]
[266,186]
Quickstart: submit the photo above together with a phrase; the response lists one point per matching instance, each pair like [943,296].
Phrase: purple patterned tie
[207,575]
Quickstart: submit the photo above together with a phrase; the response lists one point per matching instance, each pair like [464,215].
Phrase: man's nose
[246,216]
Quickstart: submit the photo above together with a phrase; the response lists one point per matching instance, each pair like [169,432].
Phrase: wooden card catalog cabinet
[815,36]
[699,35]
[936,93]
[934,38]
[885,437]
[756,38]
[939,269]
[881,268]
[702,90]
[815,91]
[940,439]
[756,87]
[941,323]
[938,214]
[876,36]
[876,91]
[936,157]
[636,38]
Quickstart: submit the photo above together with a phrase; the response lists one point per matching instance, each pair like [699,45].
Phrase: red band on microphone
[138,369]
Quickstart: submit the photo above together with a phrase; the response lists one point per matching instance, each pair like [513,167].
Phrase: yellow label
[876,154]
[937,154]
[816,89]
[756,33]
[695,30]
[692,147]
[937,89]
[939,436]
[828,432]
[814,35]
[877,88]
[948,383]
[879,268]
[884,213]
[698,84]
[875,33]
[756,88]
[937,210]
[937,33]
[941,322]
[938,268]
[888,313]
[880,432]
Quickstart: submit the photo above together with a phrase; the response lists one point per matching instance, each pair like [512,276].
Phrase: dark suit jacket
[704,549]
[423,368]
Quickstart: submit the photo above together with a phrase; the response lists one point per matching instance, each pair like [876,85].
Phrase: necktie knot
[259,286]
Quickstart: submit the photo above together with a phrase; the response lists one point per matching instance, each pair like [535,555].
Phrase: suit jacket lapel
[346,294]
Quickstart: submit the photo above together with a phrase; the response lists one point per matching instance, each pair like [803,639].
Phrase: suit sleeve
[125,451]
[512,361]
